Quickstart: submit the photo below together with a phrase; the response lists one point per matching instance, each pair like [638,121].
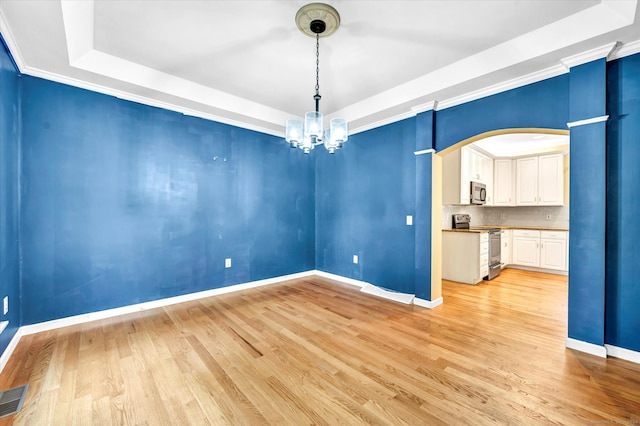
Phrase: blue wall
[124,203]
[424,193]
[623,204]
[9,197]
[363,194]
[543,105]
[587,237]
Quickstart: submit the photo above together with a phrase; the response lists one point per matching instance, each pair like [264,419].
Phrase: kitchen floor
[534,293]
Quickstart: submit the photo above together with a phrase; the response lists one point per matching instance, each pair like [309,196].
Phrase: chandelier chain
[317,63]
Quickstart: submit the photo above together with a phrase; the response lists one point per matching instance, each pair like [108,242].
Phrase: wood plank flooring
[312,351]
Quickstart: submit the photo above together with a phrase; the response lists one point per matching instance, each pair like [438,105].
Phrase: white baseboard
[3,325]
[9,350]
[623,353]
[109,313]
[534,269]
[340,278]
[586,347]
[405,298]
[428,303]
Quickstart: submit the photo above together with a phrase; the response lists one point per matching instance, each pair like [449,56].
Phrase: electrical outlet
[409,220]
[502,215]
[355,259]
[227,262]
[5,310]
[548,216]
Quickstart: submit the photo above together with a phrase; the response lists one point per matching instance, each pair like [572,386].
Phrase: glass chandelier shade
[306,135]
[294,132]
[339,130]
[313,124]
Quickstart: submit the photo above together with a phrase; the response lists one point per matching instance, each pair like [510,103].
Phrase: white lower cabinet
[526,248]
[505,247]
[553,250]
[465,256]
[540,249]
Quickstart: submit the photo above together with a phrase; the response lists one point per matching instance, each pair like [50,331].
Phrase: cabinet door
[465,175]
[527,181]
[553,254]
[526,251]
[503,183]
[551,180]
[505,248]
[473,163]
[487,178]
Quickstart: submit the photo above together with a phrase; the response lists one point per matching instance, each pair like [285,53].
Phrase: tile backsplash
[510,216]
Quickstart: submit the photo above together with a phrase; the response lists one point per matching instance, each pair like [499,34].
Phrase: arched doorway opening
[503,145]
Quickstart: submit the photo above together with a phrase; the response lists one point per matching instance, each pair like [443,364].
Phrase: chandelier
[315,19]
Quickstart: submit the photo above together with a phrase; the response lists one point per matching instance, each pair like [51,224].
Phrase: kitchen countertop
[477,231]
[487,227]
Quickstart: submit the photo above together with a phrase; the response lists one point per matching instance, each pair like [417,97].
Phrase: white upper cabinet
[464,183]
[503,188]
[527,181]
[551,180]
[480,168]
[486,167]
[459,168]
[540,180]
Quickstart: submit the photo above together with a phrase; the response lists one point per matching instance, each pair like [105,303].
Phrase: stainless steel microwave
[478,193]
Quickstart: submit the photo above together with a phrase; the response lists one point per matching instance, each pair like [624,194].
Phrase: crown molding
[626,49]
[382,122]
[504,86]
[127,96]
[429,106]
[589,55]
[9,39]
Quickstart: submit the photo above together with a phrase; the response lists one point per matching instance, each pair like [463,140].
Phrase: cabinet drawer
[484,271]
[553,235]
[484,248]
[484,260]
[526,233]
[484,238]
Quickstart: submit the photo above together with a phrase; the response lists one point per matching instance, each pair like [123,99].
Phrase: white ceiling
[518,144]
[246,63]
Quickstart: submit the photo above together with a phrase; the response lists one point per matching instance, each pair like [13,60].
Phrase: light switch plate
[227,262]
[5,309]
[355,258]
[409,220]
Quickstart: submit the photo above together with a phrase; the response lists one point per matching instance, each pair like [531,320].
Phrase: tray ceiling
[246,63]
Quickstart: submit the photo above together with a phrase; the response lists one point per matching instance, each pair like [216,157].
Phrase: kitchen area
[505,205]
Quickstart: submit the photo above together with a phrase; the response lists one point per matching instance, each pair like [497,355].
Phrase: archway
[437,206]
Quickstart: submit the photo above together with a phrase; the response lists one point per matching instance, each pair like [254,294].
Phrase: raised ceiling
[246,63]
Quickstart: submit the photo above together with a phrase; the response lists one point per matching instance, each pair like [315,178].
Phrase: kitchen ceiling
[245,62]
[519,144]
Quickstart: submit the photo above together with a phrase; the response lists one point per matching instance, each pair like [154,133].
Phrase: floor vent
[11,400]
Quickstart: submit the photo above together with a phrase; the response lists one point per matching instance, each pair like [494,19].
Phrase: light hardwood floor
[312,351]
